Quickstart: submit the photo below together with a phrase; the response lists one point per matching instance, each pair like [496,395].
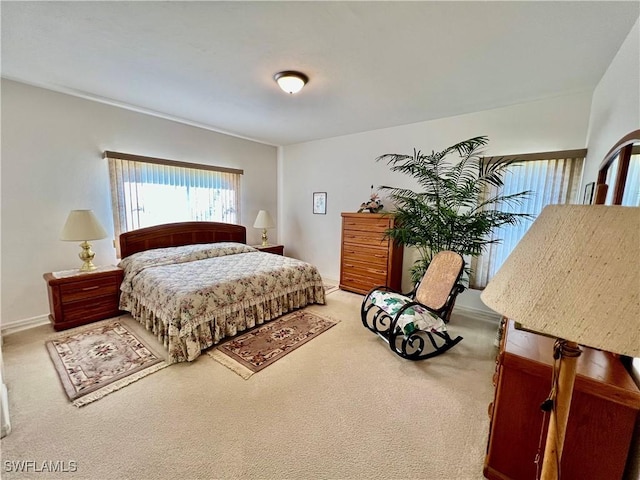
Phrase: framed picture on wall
[588,193]
[320,203]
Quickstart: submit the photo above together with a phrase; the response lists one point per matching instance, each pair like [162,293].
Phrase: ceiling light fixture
[291,81]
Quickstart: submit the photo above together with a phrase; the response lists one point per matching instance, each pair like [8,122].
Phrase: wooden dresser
[603,411]
[368,259]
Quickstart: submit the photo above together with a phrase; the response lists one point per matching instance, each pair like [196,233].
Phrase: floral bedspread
[191,297]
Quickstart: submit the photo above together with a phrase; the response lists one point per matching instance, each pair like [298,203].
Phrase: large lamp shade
[82,225]
[576,275]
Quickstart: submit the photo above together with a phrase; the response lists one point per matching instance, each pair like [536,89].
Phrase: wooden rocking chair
[414,324]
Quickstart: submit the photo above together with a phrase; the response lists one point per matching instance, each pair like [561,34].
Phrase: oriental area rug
[101,358]
[257,349]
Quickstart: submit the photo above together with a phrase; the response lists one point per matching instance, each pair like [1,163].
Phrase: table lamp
[264,221]
[82,225]
[575,275]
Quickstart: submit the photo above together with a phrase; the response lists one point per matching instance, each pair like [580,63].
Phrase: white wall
[52,163]
[345,168]
[615,108]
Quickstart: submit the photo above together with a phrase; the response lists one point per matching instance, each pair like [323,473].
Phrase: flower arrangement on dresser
[373,205]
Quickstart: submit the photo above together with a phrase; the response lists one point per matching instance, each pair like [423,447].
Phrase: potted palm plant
[446,213]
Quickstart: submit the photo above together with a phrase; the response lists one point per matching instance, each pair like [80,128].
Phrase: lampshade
[576,275]
[264,220]
[290,81]
[82,225]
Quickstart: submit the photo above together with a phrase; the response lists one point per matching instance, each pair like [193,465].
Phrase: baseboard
[24,324]
[478,314]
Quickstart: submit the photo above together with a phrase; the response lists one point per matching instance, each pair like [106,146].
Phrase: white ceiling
[371,64]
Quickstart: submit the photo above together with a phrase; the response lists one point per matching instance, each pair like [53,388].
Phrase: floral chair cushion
[413,318]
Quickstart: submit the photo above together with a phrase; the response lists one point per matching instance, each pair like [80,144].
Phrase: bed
[195,283]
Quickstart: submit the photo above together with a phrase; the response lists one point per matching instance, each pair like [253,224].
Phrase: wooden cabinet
[368,259]
[602,416]
[277,249]
[80,298]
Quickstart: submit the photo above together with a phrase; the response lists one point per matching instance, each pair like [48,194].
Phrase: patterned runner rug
[100,358]
[257,349]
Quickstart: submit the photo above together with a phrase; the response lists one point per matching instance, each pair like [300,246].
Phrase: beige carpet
[342,407]
[330,288]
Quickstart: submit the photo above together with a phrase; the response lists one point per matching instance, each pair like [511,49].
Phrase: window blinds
[149,191]
[553,178]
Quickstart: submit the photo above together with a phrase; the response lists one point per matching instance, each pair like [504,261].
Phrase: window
[631,178]
[631,194]
[552,178]
[150,191]
[618,180]
[612,175]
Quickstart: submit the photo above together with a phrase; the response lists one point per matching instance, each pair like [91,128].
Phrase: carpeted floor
[330,289]
[341,407]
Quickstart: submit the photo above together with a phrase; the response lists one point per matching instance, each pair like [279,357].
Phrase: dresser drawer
[91,309]
[371,276]
[371,256]
[362,237]
[358,285]
[379,225]
[362,266]
[85,289]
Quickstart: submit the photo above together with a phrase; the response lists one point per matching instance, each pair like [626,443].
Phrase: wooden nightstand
[277,249]
[77,298]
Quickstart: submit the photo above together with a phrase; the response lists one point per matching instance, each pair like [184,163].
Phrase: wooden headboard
[177,234]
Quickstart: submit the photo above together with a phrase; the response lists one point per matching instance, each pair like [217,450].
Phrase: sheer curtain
[553,178]
[147,191]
